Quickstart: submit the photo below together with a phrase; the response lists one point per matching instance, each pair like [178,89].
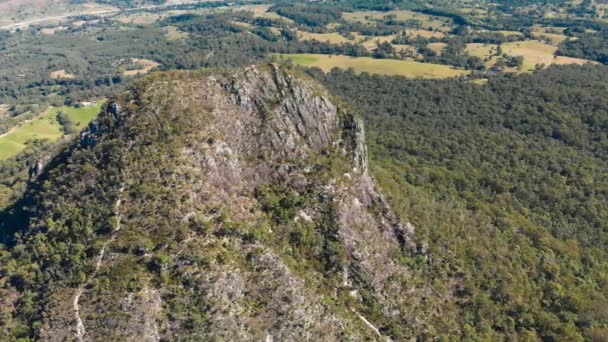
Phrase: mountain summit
[228,205]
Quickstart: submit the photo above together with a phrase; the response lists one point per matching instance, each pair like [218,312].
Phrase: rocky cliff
[211,206]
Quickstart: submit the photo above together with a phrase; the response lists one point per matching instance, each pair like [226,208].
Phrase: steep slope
[232,205]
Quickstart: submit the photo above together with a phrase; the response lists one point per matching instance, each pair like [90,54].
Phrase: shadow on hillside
[15,219]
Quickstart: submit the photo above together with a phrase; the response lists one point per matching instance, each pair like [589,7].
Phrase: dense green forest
[508,185]
[591,45]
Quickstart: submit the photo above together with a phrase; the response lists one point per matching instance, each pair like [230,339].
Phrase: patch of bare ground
[52,30]
[146,66]
[60,74]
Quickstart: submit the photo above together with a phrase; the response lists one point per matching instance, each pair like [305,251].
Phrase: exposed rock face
[221,207]
[35,170]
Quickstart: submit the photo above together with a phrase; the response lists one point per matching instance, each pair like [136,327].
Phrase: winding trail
[80,329]
[371,326]
[79,325]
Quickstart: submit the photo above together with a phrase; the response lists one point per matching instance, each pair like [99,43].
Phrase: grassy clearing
[377,66]
[273,15]
[172,33]
[480,81]
[79,23]
[364,17]
[146,66]
[484,51]
[548,29]
[262,11]
[554,38]
[426,21]
[44,126]
[143,18]
[334,37]
[52,30]
[571,60]
[408,49]
[601,10]
[275,30]
[81,116]
[510,33]
[533,51]
[60,74]
[372,42]
[437,47]
[256,9]
[424,33]
[242,24]
[554,34]
[536,52]
[199,11]
[359,37]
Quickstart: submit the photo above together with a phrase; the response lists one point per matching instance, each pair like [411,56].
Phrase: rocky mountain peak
[230,205]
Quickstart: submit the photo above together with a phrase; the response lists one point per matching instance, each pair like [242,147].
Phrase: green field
[555,38]
[481,50]
[376,66]
[44,126]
